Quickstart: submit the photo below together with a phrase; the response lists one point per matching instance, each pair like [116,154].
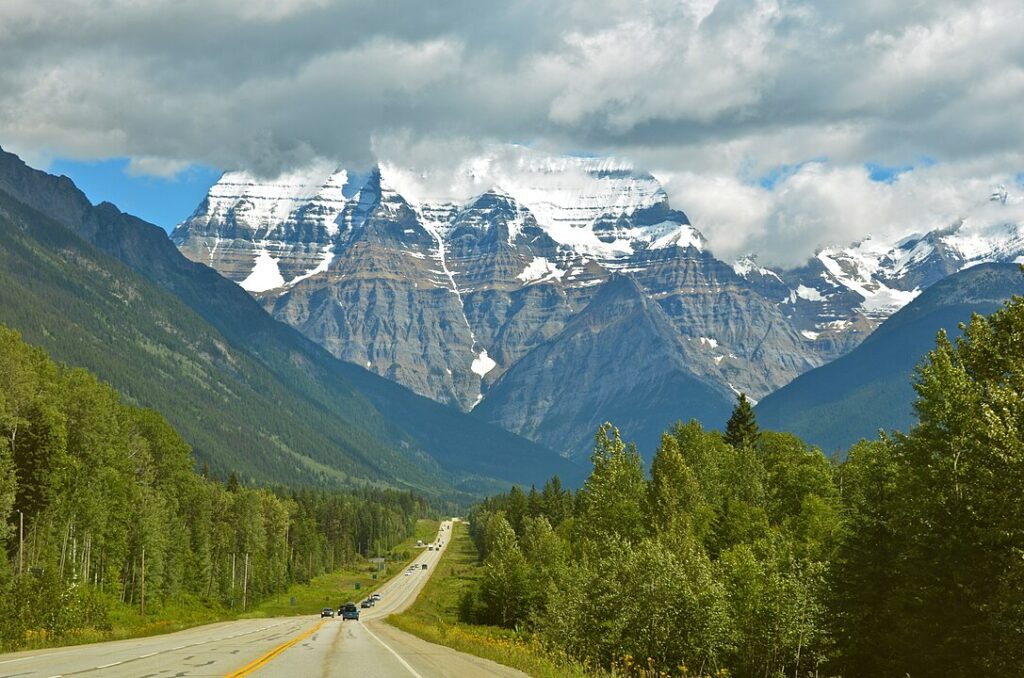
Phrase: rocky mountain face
[627,364]
[104,290]
[480,304]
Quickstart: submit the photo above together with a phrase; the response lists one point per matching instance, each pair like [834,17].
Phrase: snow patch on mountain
[483,363]
[857,270]
[266,275]
[540,270]
[316,193]
[671,234]
[325,263]
[809,293]
[745,266]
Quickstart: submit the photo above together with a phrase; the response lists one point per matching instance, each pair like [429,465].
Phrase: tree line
[748,553]
[103,508]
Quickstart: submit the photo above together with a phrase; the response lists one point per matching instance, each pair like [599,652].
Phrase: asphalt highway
[284,646]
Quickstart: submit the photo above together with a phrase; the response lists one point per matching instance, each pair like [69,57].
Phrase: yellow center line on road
[268,657]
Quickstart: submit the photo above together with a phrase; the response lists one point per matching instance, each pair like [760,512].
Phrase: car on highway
[327,612]
[366,604]
[374,597]
[349,611]
[424,566]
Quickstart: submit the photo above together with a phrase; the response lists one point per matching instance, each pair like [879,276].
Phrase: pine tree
[613,497]
[741,430]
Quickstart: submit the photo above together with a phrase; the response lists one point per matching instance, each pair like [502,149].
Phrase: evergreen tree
[613,497]
[741,429]
[556,502]
[673,493]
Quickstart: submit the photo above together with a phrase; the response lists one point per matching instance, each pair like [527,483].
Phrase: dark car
[349,611]
[327,612]
[366,604]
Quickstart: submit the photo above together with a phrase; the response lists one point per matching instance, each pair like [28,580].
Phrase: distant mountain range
[104,290]
[870,389]
[512,304]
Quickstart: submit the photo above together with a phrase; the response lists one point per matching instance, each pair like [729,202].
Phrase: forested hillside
[113,510]
[750,554]
[90,310]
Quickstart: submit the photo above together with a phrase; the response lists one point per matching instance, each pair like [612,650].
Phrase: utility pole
[245,581]
[142,595]
[21,543]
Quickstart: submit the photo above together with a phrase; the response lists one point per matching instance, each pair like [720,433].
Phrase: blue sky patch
[887,174]
[780,173]
[162,201]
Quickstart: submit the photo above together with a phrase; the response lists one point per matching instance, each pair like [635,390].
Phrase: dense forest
[103,508]
[748,553]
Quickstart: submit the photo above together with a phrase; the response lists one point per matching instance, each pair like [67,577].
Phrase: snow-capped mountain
[864,283]
[448,295]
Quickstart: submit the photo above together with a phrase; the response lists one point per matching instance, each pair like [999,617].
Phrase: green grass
[125,622]
[335,588]
[434,617]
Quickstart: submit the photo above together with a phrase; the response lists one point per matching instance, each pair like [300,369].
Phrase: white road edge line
[35,656]
[388,648]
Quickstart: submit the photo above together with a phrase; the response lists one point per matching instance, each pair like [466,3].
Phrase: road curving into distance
[289,647]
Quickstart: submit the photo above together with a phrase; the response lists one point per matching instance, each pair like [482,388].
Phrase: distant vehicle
[375,597]
[327,612]
[430,548]
[366,604]
[419,542]
[424,566]
[349,611]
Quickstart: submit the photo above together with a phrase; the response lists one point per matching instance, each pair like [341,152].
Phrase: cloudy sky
[778,125]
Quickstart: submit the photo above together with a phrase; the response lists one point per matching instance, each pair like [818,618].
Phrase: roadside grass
[327,590]
[339,587]
[434,617]
[125,623]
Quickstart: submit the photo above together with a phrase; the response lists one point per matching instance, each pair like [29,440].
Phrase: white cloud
[710,93]
[821,205]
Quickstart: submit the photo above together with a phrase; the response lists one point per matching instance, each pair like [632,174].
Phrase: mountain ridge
[280,351]
[871,389]
[447,297]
